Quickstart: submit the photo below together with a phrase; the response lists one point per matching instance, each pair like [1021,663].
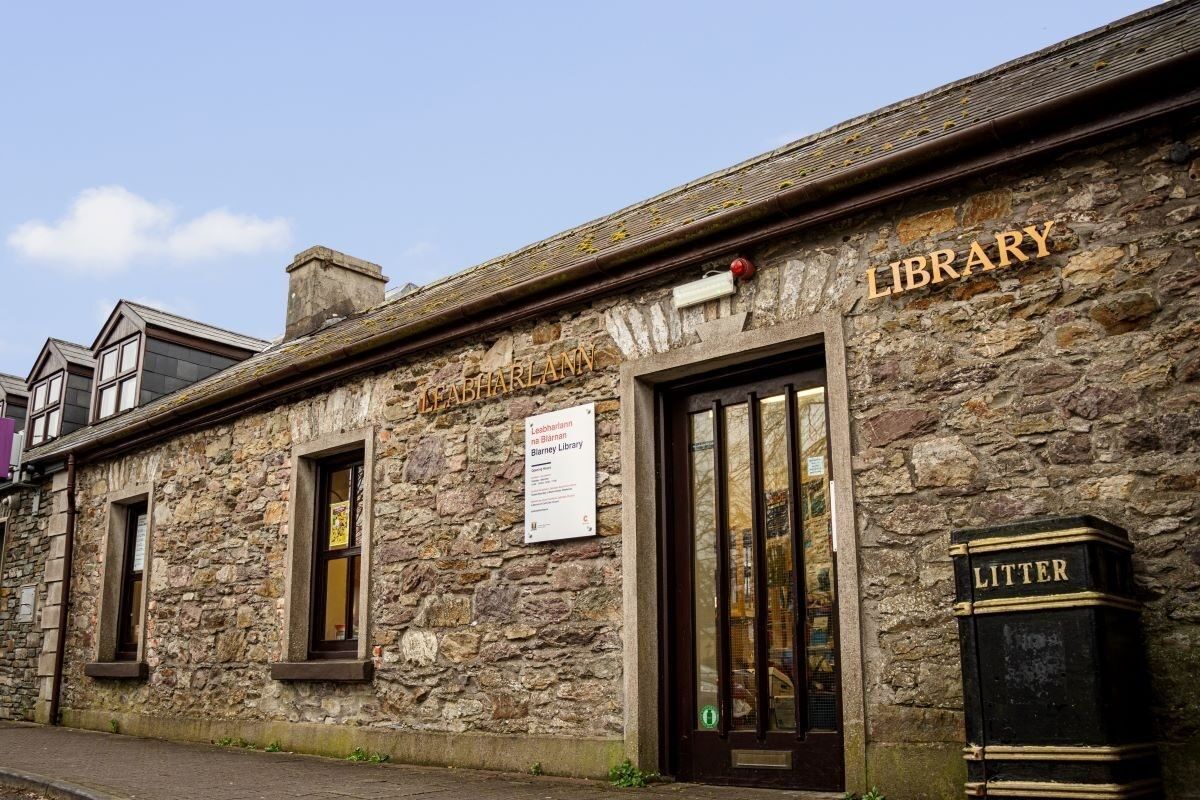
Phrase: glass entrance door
[752,591]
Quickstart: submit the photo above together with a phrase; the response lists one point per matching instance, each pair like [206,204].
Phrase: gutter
[7,487]
[1149,93]
[65,601]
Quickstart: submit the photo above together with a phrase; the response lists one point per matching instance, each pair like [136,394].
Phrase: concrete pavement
[128,767]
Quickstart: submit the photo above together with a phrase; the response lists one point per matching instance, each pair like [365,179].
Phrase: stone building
[975,306]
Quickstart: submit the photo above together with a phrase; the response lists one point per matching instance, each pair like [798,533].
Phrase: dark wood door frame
[817,757]
[724,344]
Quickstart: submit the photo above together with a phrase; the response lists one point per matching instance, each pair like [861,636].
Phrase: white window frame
[49,407]
[122,374]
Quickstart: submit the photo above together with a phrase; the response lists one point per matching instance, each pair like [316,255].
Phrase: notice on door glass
[560,474]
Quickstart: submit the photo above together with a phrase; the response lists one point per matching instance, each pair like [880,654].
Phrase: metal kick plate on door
[762,759]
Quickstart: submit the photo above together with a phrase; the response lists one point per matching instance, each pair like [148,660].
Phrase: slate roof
[1074,65]
[75,353]
[13,386]
[190,327]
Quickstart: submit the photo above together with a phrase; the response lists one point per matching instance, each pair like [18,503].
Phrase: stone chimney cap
[336,258]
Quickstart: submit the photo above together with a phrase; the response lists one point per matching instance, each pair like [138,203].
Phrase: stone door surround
[724,342]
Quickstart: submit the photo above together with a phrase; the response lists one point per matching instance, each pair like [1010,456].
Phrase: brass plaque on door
[762,759]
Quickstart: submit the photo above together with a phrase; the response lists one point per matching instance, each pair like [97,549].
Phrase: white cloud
[108,228]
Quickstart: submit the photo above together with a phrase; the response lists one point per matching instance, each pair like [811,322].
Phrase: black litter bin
[1055,684]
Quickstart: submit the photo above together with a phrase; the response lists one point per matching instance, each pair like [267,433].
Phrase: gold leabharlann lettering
[941,265]
[506,380]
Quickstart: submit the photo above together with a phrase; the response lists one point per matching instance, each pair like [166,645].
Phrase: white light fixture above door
[711,287]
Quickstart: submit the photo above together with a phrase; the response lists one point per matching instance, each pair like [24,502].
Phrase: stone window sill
[342,671]
[117,670]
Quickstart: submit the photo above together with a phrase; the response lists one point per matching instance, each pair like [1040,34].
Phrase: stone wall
[21,564]
[1068,384]
[474,631]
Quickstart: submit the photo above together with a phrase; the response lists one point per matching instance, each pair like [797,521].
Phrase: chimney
[324,284]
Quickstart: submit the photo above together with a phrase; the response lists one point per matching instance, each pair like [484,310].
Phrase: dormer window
[116,378]
[142,354]
[45,410]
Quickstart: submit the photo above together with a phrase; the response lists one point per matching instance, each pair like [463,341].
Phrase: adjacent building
[14,398]
[789,380]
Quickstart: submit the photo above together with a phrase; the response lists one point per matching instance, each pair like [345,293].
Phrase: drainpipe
[65,601]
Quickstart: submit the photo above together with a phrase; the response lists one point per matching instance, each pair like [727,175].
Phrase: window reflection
[781,601]
[739,521]
[338,557]
[704,537]
[787,460]
[819,623]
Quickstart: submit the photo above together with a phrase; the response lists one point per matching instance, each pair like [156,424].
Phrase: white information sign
[560,474]
[25,603]
[139,544]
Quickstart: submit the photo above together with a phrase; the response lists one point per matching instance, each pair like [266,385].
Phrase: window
[128,552]
[337,553]
[116,378]
[327,601]
[45,409]
[129,624]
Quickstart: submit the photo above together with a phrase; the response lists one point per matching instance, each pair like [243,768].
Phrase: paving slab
[150,769]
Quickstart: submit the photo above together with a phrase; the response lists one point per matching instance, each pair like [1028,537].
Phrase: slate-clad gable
[76,402]
[17,413]
[168,367]
[175,352]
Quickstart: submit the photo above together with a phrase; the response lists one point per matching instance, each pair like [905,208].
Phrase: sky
[181,154]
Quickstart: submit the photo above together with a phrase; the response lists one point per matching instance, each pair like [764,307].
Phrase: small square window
[108,401]
[128,393]
[129,354]
[39,430]
[39,397]
[108,364]
[52,420]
